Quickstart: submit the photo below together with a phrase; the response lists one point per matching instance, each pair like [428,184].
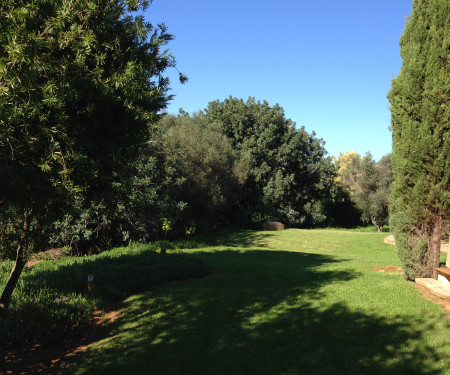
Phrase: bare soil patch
[51,254]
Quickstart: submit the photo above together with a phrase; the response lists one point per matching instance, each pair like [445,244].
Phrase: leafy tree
[210,174]
[379,199]
[131,210]
[372,192]
[80,82]
[421,138]
[289,173]
[348,168]
[340,206]
[367,184]
[340,209]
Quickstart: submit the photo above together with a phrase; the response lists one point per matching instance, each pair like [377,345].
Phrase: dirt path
[49,358]
[51,254]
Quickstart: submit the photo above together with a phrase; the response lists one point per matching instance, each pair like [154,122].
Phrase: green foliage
[167,225]
[209,173]
[340,209]
[289,174]
[372,191]
[9,238]
[348,166]
[80,83]
[259,217]
[367,184]
[143,203]
[421,137]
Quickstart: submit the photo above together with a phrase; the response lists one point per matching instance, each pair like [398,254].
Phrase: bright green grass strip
[291,302]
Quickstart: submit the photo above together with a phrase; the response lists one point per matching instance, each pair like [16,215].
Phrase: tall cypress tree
[419,201]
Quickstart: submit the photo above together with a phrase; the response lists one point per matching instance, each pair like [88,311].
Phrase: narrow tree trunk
[14,276]
[435,244]
[5,299]
[379,227]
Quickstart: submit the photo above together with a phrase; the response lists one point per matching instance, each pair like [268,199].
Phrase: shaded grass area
[292,302]
[53,296]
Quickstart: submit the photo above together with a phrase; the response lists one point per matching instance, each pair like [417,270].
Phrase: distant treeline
[235,164]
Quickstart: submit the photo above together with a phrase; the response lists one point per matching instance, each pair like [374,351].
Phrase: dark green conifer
[421,138]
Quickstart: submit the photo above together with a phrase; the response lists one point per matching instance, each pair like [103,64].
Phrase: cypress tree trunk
[435,244]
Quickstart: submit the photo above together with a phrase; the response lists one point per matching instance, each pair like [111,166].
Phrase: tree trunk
[435,244]
[14,276]
[5,299]
[379,227]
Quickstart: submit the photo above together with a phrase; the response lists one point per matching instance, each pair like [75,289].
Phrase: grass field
[291,302]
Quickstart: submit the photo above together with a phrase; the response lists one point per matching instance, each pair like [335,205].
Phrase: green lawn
[291,302]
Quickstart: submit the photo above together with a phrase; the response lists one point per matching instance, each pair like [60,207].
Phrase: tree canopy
[80,84]
[368,184]
[209,172]
[289,174]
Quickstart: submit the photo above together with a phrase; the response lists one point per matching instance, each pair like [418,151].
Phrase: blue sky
[328,63]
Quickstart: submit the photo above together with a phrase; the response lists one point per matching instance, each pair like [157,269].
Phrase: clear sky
[328,63]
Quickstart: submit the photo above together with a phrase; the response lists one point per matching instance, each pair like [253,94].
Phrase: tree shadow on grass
[56,294]
[264,313]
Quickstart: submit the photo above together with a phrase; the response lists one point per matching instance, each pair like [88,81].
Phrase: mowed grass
[291,302]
